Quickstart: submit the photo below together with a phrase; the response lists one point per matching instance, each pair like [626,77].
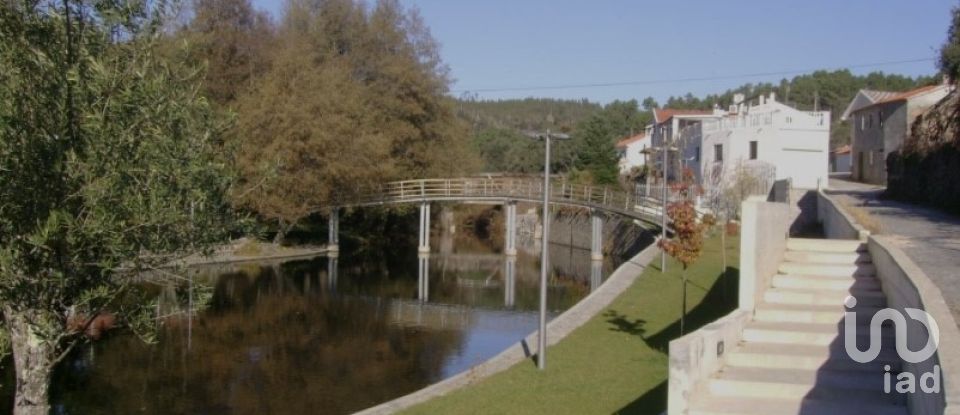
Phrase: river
[320,335]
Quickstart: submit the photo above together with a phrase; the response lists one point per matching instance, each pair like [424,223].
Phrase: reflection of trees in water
[271,343]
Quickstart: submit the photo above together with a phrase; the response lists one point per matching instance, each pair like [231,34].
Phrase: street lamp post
[544,253]
[663,205]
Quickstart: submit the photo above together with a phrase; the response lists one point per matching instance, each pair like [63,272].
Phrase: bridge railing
[504,188]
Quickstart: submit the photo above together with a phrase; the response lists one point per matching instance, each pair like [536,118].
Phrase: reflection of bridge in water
[501,274]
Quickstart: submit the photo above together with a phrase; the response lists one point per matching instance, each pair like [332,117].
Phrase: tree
[105,163]
[687,242]
[354,97]
[649,104]
[232,39]
[595,150]
[950,51]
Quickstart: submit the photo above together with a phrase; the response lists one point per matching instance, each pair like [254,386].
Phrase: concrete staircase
[792,358]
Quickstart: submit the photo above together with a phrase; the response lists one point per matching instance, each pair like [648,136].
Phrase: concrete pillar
[510,243]
[424,246]
[596,240]
[509,281]
[333,239]
[423,277]
[596,275]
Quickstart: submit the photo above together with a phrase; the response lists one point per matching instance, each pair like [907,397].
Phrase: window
[863,122]
[880,118]
[718,152]
[696,157]
[753,150]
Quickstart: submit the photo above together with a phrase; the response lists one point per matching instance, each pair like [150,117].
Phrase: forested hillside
[496,125]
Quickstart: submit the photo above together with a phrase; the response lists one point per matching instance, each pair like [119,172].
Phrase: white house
[768,138]
[633,151]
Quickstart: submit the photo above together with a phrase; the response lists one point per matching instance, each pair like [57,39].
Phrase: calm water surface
[320,336]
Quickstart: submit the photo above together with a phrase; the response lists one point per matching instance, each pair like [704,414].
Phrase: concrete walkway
[930,237]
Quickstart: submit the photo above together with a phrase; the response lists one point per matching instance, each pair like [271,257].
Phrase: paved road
[930,237]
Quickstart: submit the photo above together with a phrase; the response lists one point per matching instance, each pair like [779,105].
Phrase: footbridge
[600,200]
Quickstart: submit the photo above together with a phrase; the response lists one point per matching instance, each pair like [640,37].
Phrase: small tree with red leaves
[686,245]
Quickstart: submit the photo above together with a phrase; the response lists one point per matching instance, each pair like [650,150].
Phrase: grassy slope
[617,362]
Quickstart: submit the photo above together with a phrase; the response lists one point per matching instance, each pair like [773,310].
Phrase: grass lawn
[617,362]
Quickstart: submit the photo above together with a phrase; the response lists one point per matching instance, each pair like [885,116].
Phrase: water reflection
[328,335]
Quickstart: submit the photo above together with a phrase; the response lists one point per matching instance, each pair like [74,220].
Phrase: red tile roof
[630,140]
[662,115]
[908,94]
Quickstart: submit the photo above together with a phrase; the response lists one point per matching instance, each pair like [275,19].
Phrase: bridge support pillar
[333,239]
[596,274]
[424,246]
[509,281]
[423,277]
[510,243]
[596,239]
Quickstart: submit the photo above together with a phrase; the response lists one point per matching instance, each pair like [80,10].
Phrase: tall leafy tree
[105,164]
[232,39]
[950,51]
[354,97]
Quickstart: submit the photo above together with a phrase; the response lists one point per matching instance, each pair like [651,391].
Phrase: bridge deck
[510,189]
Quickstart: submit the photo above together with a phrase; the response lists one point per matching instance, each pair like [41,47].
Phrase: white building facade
[768,139]
[633,152]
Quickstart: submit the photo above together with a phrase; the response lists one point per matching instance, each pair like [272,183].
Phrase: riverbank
[617,362]
[247,250]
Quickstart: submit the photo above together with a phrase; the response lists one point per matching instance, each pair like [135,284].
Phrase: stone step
[808,357]
[827,270]
[839,258]
[805,313]
[823,297]
[825,245]
[722,405]
[796,384]
[812,282]
[815,334]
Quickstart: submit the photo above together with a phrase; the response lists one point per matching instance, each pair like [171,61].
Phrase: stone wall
[622,237]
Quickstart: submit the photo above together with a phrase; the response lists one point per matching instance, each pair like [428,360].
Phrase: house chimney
[773,96]
[761,100]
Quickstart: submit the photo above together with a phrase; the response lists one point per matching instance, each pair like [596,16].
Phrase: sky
[499,49]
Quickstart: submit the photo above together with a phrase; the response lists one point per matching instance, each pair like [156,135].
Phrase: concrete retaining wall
[837,223]
[763,240]
[557,329]
[696,356]
[907,286]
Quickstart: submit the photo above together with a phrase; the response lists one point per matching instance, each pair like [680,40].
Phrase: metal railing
[505,189]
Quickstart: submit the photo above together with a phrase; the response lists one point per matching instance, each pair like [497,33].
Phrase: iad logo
[906,381]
